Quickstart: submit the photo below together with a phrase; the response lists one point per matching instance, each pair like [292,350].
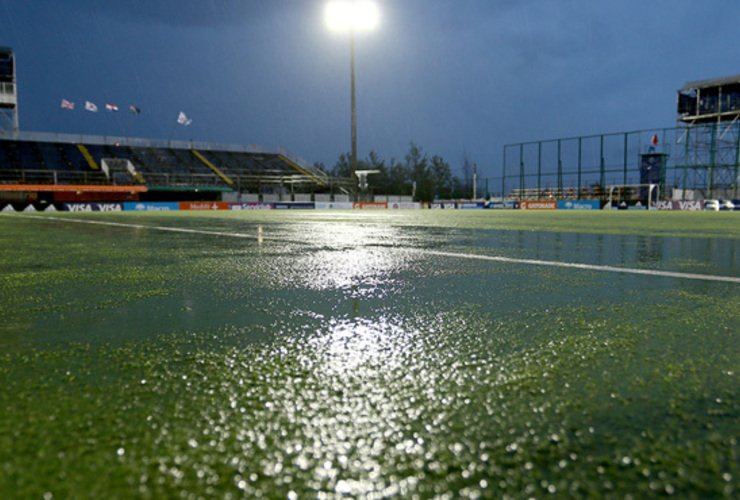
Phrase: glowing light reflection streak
[469,256]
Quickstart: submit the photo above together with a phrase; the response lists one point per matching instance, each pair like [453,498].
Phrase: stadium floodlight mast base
[352,16]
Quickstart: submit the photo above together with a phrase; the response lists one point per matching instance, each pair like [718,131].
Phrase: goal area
[632,193]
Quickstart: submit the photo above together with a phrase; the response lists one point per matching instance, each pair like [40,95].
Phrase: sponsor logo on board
[579,205]
[690,205]
[471,205]
[370,206]
[93,207]
[154,206]
[251,206]
[208,205]
[538,205]
[402,205]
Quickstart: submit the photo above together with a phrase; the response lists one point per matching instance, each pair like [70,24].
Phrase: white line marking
[590,267]
[158,228]
[470,256]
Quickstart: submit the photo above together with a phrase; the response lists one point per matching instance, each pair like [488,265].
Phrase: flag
[134,109]
[183,120]
[111,107]
[654,140]
[67,104]
[91,107]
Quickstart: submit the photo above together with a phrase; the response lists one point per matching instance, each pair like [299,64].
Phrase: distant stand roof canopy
[707,101]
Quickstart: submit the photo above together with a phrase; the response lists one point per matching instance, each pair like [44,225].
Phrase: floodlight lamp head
[357,15]
[365,173]
[362,177]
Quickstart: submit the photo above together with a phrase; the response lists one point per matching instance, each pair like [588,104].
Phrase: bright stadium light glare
[352,15]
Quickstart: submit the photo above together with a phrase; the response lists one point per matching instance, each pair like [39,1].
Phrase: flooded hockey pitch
[414,354]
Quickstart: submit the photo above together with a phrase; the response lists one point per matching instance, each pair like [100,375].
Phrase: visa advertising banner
[692,205]
[93,207]
[443,205]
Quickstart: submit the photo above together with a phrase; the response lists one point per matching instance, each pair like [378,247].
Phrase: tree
[343,166]
[466,166]
[417,165]
[432,176]
[441,175]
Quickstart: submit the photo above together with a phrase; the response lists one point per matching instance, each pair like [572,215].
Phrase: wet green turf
[327,355]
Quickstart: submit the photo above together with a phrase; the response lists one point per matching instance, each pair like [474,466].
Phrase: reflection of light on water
[354,257]
[355,269]
[353,420]
[361,344]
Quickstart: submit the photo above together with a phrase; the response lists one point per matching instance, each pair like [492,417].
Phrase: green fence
[701,161]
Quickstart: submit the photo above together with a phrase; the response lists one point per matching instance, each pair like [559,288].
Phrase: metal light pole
[353,102]
[352,16]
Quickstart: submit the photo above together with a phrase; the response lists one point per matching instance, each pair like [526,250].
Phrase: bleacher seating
[56,162]
[565,193]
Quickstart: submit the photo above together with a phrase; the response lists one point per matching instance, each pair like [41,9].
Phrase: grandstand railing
[53,177]
[303,164]
[133,141]
[163,179]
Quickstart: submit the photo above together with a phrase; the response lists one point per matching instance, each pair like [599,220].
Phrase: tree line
[426,178]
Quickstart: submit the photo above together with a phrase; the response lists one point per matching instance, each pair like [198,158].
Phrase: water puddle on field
[339,359]
[141,283]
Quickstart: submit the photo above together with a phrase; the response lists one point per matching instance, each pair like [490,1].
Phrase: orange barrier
[204,205]
[56,188]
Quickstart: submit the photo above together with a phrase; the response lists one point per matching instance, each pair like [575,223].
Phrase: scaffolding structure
[709,146]
[699,158]
[8,91]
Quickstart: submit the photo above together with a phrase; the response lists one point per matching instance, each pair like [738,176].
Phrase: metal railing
[16,176]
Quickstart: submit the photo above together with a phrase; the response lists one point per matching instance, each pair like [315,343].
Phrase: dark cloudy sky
[454,77]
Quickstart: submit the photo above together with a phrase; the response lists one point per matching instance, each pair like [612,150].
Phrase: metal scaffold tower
[8,92]
[708,147]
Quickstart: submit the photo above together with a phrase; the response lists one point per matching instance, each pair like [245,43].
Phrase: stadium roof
[712,82]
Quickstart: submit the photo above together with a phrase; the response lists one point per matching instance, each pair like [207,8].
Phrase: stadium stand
[58,159]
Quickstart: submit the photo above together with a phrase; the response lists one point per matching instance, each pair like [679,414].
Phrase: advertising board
[538,205]
[370,206]
[440,205]
[250,206]
[579,205]
[503,205]
[92,207]
[294,206]
[203,205]
[403,205]
[150,206]
[471,205]
[333,205]
[691,205]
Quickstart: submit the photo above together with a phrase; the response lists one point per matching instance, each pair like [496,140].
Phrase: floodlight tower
[352,16]
[8,91]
